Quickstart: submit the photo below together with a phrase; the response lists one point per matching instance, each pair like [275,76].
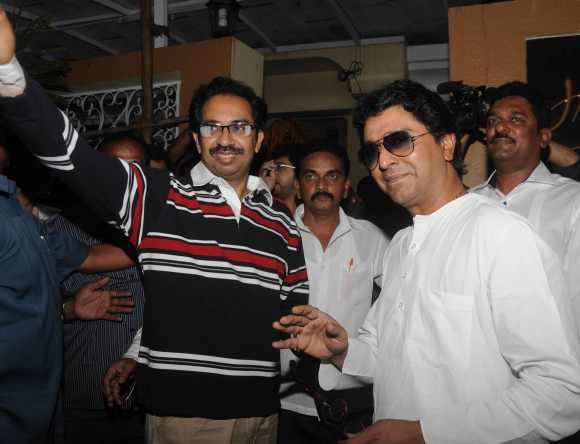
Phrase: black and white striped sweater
[213,284]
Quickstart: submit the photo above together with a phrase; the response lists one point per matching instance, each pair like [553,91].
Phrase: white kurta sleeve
[536,336]
[362,351]
[572,260]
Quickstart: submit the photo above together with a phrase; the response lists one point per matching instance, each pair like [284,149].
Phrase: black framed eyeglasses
[398,143]
[240,129]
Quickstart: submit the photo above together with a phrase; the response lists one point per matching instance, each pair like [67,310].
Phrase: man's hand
[91,303]
[7,38]
[389,431]
[118,374]
[314,332]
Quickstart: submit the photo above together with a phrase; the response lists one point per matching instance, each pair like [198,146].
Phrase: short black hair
[290,150]
[334,149]
[533,96]
[425,105]
[158,153]
[226,86]
[128,136]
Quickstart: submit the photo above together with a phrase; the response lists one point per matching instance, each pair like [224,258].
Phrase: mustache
[226,149]
[322,194]
[501,136]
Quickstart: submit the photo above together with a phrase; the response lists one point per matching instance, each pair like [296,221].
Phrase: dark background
[550,61]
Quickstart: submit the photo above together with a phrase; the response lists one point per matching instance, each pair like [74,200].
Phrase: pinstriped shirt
[90,347]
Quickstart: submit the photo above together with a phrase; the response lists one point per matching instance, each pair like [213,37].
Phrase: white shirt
[201,175]
[552,205]
[472,334]
[341,284]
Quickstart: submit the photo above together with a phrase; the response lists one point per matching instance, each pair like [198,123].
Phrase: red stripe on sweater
[299,276]
[194,204]
[213,251]
[278,227]
[137,206]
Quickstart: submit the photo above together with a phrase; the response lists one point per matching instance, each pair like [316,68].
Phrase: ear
[346,187]
[259,141]
[196,141]
[545,137]
[448,145]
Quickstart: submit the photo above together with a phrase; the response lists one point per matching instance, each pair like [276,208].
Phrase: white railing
[122,107]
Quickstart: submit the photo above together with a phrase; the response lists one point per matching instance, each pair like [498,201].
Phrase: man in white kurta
[517,132]
[472,339]
[472,333]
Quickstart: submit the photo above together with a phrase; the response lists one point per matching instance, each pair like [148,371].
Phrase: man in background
[518,132]
[344,260]
[279,174]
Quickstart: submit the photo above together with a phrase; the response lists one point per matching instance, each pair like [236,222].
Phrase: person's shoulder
[282,213]
[366,227]
[400,236]
[58,223]
[566,192]
[486,214]
[566,184]
[280,207]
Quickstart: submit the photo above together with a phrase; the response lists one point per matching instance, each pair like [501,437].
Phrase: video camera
[469,105]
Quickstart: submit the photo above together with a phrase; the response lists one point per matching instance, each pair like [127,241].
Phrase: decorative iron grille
[121,107]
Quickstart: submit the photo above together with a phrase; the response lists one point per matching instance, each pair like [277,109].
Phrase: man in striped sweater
[221,259]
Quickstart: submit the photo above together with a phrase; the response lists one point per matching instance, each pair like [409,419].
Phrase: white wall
[428,64]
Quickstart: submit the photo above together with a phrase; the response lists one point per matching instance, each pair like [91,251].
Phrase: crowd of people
[202,303]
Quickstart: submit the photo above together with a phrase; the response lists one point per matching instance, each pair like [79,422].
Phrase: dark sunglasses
[399,143]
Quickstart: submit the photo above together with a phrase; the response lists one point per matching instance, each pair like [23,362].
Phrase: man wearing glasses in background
[472,339]
[279,174]
[221,260]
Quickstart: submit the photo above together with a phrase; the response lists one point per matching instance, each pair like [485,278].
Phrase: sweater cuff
[12,79]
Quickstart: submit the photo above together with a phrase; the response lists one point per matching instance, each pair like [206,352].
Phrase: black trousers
[295,428]
[103,427]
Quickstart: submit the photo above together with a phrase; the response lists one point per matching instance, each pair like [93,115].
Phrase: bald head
[127,148]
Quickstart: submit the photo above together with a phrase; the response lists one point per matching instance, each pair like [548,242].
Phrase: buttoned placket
[504,199]
[420,231]
[539,175]
[322,256]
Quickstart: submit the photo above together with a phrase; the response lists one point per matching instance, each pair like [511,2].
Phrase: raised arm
[115,190]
